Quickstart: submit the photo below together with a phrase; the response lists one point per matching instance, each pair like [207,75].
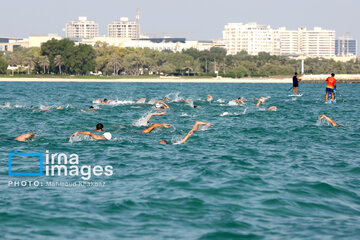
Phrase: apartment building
[82,29]
[255,38]
[345,46]
[250,37]
[124,29]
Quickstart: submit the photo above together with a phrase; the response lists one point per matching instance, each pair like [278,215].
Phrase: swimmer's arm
[141,99]
[187,136]
[152,127]
[148,117]
[157,114]
[333,123]
[94,136]
[198,123]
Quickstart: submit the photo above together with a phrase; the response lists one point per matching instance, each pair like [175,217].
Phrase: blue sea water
[254,174]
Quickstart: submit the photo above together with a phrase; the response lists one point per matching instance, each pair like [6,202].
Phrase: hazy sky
[200,19]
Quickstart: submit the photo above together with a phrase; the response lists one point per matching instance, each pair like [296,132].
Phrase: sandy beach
[305,79]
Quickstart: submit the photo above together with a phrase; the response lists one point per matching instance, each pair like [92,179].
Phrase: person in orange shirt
[330,86]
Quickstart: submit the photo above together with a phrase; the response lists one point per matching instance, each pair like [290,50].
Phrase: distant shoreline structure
[343,78]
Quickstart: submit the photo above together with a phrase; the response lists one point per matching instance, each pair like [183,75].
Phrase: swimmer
[99,128]
[156,125]
[7,105]
[166,99]
[195,128]
[333,123]
[261,101]
[44,109]
[272,108]
[24,137]
[141,100]
[197,106]
[239,100]
[183,100]
[209,98]
[161,105]
[105,101]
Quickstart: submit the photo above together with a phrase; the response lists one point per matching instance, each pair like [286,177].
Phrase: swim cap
[158,105]
[107,135]
[262,100]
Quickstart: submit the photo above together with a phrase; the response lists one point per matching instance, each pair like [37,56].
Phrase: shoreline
[305,79]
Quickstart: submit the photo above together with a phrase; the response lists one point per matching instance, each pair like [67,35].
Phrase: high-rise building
[345,46]
[317,42]
[250,37]
[255,38]
[289,42]
[82,28]
[125,28]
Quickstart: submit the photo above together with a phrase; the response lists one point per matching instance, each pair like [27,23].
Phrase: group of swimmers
[159,105]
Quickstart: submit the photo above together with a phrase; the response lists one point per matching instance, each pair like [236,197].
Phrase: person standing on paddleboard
[330,86]
[296,81]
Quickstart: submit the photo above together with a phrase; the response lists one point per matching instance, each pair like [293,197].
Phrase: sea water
[254,174]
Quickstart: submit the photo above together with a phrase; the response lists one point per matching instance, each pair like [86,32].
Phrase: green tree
[239,71]
[3,65]
[115,63]
[44,63]
[59,62]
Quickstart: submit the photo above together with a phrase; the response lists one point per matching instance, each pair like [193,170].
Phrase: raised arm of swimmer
[148,117]
[195,128]
[334,124]
[156,125]
[141,100]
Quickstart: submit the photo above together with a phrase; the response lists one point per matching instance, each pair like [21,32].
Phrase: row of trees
[64,57]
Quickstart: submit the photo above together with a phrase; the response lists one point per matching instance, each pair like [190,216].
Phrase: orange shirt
[330,82]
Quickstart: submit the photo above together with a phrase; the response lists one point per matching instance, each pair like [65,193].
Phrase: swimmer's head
[99,127]
[105,100]
[107,136]
[91,107]
[262,100]
[163,142]
[239,98]
[158,105]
